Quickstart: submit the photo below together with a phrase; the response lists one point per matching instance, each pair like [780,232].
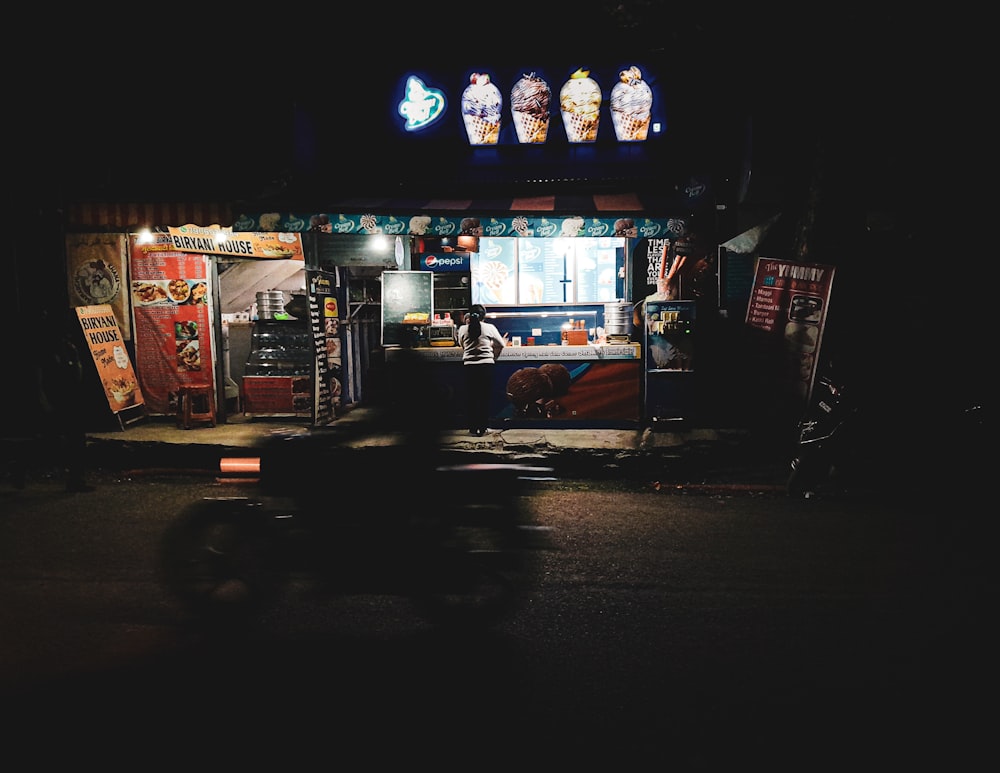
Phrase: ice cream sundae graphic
[631,105]
[529,107]
[481,103]
[580,104]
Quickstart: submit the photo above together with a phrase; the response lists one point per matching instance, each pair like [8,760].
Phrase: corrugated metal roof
[132,216]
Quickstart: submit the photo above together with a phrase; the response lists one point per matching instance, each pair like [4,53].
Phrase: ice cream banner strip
[218,241]
[436,225]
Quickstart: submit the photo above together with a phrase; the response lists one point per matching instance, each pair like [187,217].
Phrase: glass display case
[277,378]
[542,327]
[279,348]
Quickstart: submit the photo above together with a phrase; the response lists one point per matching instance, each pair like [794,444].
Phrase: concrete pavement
[680,452]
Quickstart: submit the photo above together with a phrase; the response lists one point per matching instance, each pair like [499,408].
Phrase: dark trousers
[65,437]
[479,385]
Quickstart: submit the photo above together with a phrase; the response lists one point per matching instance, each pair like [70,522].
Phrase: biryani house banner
[107,347]
[222,241]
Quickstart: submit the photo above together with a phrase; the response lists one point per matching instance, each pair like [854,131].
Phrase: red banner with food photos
[170,298]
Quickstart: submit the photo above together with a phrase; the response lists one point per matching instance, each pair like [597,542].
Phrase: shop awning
[610,202]
[651,201]
[671,201]
[132,216]
[645,211]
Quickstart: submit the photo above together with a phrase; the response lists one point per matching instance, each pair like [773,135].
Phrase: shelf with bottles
[452,294]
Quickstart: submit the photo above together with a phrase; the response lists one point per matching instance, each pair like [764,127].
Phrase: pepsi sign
[445,261]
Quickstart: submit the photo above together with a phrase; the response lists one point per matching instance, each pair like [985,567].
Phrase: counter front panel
[590,385]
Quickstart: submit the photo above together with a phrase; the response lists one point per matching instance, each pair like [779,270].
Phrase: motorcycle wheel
[472,575]
[805,475]
[213,560]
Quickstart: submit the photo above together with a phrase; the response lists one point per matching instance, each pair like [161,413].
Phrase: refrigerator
[669,361]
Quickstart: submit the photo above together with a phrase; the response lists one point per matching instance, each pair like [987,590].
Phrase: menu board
[404,292]
[788,303]
[598,271]
[549,271]
[494,272]
[545,270]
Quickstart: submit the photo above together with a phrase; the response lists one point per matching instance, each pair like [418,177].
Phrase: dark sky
[210,102]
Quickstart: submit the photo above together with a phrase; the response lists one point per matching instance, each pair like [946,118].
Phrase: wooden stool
[195,404]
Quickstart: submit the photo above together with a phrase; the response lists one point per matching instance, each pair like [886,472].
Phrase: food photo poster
[170,296]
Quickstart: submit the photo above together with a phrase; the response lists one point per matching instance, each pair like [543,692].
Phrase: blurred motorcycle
[457,540]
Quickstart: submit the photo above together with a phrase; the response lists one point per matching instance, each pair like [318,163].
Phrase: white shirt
[483,350]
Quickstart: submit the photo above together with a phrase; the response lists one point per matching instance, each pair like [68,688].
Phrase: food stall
[549,297]
[560,293]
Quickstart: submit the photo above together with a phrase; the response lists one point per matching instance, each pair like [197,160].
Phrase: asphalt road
[701,629]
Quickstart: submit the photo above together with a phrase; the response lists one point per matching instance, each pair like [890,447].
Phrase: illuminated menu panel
[546,271]
[531,270]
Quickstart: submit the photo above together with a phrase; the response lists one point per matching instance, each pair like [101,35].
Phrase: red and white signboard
[171,297]
[789,302]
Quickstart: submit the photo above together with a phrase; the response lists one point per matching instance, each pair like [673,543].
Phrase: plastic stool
[195,405]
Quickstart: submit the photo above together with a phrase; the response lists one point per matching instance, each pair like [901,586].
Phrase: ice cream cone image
[529,107]
[580,128]
[530,129]
[628,128]
[580,104]
[481,131]
[631,106]
[481,102]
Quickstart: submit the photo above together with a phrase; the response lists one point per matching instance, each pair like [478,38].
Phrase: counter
[597,385]
[631,351]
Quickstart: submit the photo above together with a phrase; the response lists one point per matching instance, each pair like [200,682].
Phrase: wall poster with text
[788,304]
[324,321]
[171,310]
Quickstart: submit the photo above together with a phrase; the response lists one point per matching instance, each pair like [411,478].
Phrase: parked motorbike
[457,540]
[923,442]
[821,437]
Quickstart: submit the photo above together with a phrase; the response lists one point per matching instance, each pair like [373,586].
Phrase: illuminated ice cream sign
[421,106]
[581,100]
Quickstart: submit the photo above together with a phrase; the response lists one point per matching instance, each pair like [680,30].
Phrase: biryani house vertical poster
[107,347]
[170,297]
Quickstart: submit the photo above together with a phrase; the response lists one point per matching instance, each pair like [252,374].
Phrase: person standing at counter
[481,344]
